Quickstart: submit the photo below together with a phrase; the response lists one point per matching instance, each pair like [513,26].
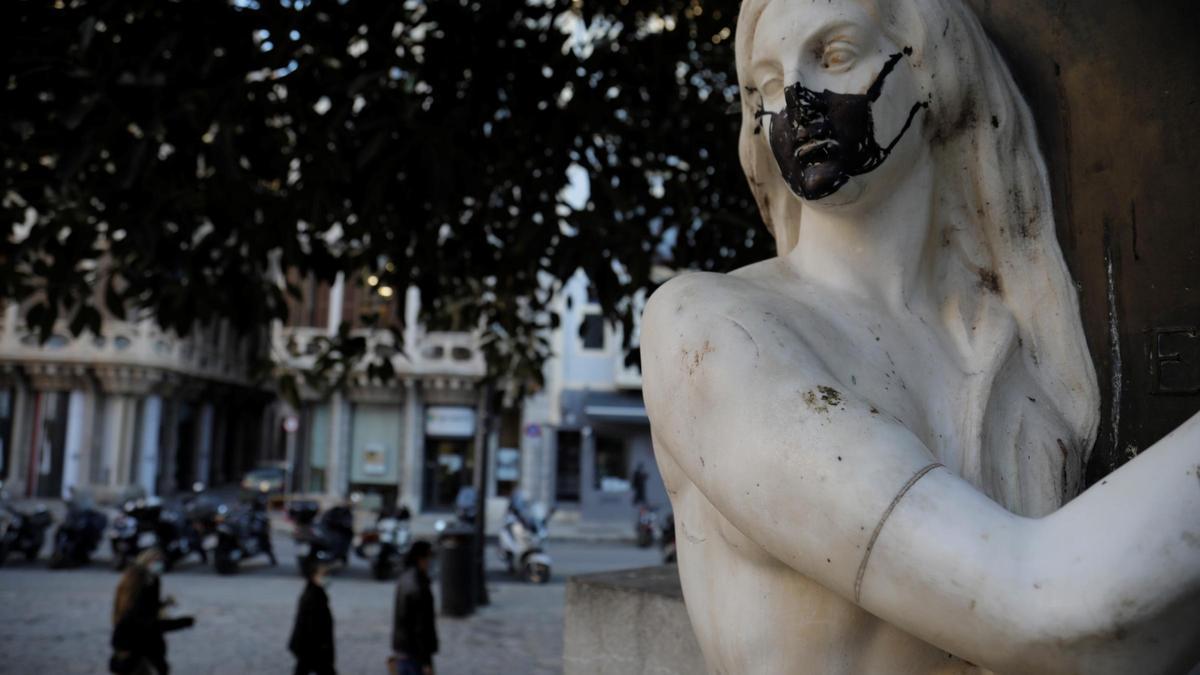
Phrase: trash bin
[457,554]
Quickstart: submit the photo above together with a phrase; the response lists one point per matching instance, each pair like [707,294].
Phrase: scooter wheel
[225,566]
[382,571]
[537,573]
[57,560]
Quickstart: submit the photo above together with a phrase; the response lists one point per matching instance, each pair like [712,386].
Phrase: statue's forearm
[1104,585]
[1120,568]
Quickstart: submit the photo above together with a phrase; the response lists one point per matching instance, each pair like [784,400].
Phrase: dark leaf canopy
[183,157]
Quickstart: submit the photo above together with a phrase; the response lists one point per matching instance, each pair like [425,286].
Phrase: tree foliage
[182,157]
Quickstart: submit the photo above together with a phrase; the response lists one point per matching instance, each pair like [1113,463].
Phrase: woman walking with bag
[139,647]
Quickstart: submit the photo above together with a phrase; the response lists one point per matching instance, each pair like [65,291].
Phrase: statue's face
[839,105]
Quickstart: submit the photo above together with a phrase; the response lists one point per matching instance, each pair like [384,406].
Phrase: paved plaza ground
[58,621]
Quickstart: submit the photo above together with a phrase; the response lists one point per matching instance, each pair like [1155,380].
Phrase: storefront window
[612,469]
[449,454]
[449,467]
[567,471]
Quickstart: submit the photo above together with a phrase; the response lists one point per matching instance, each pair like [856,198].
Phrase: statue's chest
[902,369]
[752,613]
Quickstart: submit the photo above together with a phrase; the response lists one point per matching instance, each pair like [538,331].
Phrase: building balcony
[212,353]
[428,355]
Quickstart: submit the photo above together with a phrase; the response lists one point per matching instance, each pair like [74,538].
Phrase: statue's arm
[1108,584]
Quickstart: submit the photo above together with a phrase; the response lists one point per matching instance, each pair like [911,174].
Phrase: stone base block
[629,622]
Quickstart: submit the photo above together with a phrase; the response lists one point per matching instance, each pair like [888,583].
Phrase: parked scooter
[647,526]
[385,544]
[146,523]
[465,505]
[668,538]
[330,536]
[242,533]
[22,531]
[80,532]
[523,538]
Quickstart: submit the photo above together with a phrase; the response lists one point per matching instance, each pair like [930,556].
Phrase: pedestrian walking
[312,634]
[139,647]
[639,484]
[414,629]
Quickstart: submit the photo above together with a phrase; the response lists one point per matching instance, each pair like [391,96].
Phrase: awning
[588,407]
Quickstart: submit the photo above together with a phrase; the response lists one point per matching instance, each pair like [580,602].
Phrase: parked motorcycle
[523,538]
[202,511]
[329,537]
[647,526]
[385,543]
[80,533]
[146,523]
[22,531]
[242,533]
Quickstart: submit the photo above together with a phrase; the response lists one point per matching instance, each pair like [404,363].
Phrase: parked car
[265,481]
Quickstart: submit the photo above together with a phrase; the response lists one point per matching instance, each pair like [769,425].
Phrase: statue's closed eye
[838,55]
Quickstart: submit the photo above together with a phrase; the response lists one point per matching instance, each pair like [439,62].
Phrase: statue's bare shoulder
[710,338]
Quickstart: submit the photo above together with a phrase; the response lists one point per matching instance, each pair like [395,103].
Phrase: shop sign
[374,460]
[449,421]
[508,464]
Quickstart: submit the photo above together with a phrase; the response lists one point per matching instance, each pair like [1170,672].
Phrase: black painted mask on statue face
[820,140]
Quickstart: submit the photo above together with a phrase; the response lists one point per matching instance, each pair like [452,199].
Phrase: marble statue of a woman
[874,443]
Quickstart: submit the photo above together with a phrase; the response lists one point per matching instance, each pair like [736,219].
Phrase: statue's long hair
[1000,255]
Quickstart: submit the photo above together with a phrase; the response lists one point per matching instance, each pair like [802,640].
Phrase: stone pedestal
[629,622]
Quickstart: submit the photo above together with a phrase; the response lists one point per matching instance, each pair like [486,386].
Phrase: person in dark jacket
[414,630]
[139,647]
[312,635]
[639,484]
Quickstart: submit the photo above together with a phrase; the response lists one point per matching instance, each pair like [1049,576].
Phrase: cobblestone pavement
[58,621]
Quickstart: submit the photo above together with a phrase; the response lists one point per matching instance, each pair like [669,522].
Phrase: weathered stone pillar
[337,469]
[73,454]
[204,442]
[148,443]
[413,453]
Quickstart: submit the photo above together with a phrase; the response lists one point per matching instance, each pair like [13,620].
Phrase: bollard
[455,562]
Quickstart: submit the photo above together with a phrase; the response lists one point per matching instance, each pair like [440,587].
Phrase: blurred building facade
[140,408]
[412,439]
[134,408]
[583,437]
